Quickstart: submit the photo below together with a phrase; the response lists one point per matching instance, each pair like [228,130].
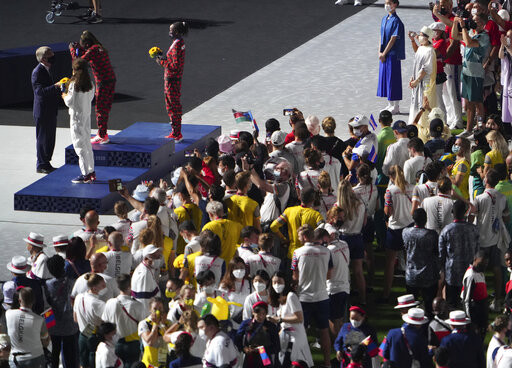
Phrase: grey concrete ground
[333,74]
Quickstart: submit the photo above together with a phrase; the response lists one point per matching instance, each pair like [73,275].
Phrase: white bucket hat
[415,316]
[427,31]
[35,239]
[60,240]
[18,265]
[406,301]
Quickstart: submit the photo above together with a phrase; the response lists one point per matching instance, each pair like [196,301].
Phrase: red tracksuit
[105,80]
[173,64]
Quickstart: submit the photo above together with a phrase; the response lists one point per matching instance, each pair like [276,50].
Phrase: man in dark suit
[46,99]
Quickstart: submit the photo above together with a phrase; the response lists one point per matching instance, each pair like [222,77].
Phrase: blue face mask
[254,246]
[455,149]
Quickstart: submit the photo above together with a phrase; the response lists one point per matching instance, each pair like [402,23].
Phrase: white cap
[278,137]
[149,249]
[141,192]
[427,32]
[504,14]
[359,120]
[437,26]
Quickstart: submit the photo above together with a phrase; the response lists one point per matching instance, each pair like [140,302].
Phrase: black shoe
[44,170]
[95,18]
[87,14]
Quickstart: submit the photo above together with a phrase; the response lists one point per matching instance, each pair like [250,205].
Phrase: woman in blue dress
[391,52]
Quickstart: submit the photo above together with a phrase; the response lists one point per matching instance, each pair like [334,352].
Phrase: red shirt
[290,137]
[456,57]
[441,45]
[175,60]
[494,33]
[99,61]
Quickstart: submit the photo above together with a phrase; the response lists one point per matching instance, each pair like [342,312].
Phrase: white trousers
[451,95]
[80,127]
[439,94]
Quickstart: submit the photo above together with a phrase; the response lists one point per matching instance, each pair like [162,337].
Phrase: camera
[287,112]
[469,23]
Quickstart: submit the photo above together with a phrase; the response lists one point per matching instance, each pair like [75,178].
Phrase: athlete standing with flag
[173,64]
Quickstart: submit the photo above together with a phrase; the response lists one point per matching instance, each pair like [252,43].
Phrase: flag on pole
[245,117]
[49,318]
[372,156]
[373,124]
[264,356]
[373,349]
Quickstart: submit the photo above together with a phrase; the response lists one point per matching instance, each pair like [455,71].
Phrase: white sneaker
[358,2]
[340,2]
[395,110]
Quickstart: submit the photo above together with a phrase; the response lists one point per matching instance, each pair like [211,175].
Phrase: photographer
[471,32]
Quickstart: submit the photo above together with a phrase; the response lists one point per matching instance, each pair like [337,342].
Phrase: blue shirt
[394,347]
[473,61]
[421,246]
[186,361]
[458,243]
[465,350]
[392,26]
[350,336]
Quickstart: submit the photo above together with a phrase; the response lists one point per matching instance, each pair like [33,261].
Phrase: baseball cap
[400,126]
[278,138]
[436,127]
[149,250]
[271,125]
[412,131]
[359,120]
[437,26]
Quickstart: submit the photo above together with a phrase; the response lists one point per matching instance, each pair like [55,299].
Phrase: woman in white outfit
[79,98]
[105,352]
[294,341]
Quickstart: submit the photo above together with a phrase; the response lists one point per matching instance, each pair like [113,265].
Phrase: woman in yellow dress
[461,167]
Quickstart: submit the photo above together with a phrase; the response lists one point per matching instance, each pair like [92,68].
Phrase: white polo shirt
[39,268]
[503,357]
[106,356]
[439,211]
[422,191]
[220,351]
[401,203]
[127,319]
[413,165]
[490,205]
[368,194]
[312,262]
[308,179]
[86,235]
[88,309]
[133,234]
[354,225]
[263,261]
[81,287]
[340,273]
[119,262]
[168,219]
[245,252]
[214,264]
[123,226]
[25,329]
[192,246]
[396,154]
[144,285]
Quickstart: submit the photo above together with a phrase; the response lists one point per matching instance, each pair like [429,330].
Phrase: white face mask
[202,334]
[422,39]
[355,323]
[102,292]
[259,286]
[221,173]
[240,273]
[508,41]
[115,339]
[387,7]
[209,289]
[473,11]
[358,132]
[176,201]
[278,288]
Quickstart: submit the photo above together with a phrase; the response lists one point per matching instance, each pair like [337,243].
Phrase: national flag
[382,347]
[372,156]
[264,356]
[373,124]
[49,318]
[242,116]
[372,348]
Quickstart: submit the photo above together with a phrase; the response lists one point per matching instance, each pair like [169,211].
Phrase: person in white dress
[236,287]
[78,98]
[291,320]
[105,352]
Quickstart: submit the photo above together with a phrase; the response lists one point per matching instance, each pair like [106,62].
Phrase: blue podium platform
[137,153]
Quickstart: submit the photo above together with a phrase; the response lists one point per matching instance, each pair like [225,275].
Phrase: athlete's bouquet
[64,82]
[154,52]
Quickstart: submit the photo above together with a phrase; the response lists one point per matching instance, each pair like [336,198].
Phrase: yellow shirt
[295,217]
[104,249]
[493,157]
[243,210]
[229,233]
[156,356]
[187,212]
[191,265]
[166,252]
[462,167]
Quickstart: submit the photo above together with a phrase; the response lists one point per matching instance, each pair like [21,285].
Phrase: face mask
[170,294]
[479,268]
[254,246]
[102,292]
[202,334]
[455,149]
[189,302]
[508,41]
[115,339]
[490,147]
[387,8]
[443,11]
[209,289]
[239,273]
[355,323]
[176,201]
[321,165]
[259,286]
[278,288]
[422,39]
[219,170]
[277,174]
[171,35]
[474,11]
[357,132]
[51,59]
[186,240]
